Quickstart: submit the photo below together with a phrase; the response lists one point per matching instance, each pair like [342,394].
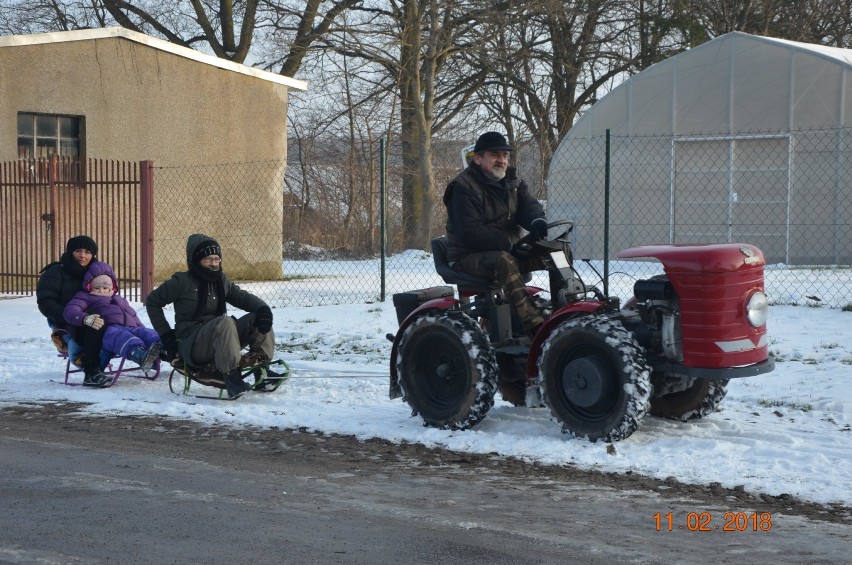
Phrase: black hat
[206,248]
[81,242]
[491,141]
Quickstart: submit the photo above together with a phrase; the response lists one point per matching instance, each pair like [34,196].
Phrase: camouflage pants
[501,266]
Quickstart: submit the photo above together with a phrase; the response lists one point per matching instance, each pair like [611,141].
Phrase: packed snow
[786,432]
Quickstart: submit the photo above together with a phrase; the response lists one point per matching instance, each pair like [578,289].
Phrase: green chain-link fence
[788,193]
[326,239]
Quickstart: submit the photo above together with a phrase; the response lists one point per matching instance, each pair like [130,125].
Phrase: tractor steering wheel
[525,245]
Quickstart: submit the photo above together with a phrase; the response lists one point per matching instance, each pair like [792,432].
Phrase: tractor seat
[467,284]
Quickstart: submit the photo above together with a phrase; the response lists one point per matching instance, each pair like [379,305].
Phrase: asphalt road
[83,489]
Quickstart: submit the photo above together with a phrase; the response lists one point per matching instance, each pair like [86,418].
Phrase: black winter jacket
[484,214]
[182,291]
[56,286]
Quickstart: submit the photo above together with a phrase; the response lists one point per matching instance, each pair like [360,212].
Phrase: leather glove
[94,321]
[538,229]
[169,343]
[263,319]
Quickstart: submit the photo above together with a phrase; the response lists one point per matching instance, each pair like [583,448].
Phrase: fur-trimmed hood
[99,268]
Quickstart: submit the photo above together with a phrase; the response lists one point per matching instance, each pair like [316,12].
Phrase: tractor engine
[706,316]
[653,316]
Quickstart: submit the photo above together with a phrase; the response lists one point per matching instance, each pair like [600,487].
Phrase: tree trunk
[417,184]
[416,103]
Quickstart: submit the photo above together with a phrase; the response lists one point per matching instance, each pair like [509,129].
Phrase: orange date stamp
[704,522]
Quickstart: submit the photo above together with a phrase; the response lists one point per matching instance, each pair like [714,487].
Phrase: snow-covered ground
[784,432]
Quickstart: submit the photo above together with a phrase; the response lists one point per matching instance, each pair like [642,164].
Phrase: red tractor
[599,367]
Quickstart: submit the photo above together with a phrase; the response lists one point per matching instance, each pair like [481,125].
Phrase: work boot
[252,358]
[96,378]
[235,385]
[145,358]
[56,336]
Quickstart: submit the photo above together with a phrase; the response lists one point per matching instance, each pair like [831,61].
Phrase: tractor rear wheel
[595,379]
[686,399]
[512,378]
[447,370]
[512,383]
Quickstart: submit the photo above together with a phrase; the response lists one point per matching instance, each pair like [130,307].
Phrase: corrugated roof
[108,32]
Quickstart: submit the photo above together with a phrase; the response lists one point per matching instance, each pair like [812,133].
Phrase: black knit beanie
[206,248]
[81,242]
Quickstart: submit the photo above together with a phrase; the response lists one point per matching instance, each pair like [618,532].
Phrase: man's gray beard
[498,175]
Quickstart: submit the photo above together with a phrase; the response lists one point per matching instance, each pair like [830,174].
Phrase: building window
[42,135]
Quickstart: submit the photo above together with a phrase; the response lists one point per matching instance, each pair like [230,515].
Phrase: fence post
[297,221]
[606,217]
[146,224]
[52,179]
[382,212]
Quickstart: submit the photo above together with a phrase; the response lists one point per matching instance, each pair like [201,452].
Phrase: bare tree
[38,16]
[410,41]
[338,126]
[555,57]
[411,69]
[225,27]
[295,28]
[823,22]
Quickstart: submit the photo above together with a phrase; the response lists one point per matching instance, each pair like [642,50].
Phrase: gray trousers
[221,340]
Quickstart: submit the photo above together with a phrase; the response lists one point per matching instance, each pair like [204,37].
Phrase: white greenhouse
[742,139]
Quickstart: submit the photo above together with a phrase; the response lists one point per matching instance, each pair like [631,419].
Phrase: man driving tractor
[487,204]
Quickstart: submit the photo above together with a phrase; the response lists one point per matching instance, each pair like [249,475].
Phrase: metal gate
[733,188]
[44,202]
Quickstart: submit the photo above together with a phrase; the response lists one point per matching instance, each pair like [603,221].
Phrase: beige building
[116,94]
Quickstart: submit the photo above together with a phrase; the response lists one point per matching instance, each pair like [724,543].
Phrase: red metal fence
[44,202]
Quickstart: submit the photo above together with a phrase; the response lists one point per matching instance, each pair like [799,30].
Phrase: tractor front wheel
[447,370]
[595,379]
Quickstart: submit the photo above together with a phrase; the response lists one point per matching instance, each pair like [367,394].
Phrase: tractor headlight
[757,309]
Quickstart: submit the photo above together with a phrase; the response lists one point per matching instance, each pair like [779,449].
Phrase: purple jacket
[115,310]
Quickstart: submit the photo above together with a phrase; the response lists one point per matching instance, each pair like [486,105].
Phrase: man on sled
[204,336]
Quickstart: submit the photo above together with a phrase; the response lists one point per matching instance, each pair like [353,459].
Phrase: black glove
[521,249]
[538,229]
[169,343]
[263,319]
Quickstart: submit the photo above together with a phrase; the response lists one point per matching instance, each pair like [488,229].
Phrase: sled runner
[73,368]
[251,364]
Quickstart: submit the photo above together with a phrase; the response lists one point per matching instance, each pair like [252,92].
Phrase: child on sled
[99,304]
